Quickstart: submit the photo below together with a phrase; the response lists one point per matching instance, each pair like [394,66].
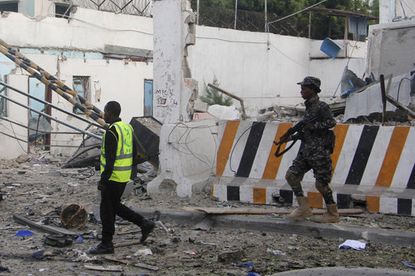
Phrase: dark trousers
[111,206]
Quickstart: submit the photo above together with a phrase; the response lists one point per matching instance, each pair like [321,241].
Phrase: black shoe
[102,248]
[146,229]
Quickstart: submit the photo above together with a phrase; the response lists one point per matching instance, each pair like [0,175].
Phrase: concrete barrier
[373,162]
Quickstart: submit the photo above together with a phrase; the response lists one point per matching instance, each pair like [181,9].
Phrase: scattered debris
[124,244]
[408,264]
[249,265]
[108,258]
[276,252]
[143,252]
[357,245]
[258,211]
[23,158]
[58,240]
[205,225]
[169,243]
[74,216]
[24,233]
[4,269]
[230,256]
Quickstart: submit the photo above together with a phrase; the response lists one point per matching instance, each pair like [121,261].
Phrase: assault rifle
[290,135]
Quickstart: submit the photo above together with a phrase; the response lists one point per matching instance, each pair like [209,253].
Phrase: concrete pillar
[187,149]
[174,90]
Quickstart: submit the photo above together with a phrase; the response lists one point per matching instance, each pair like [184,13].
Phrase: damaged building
[210,167]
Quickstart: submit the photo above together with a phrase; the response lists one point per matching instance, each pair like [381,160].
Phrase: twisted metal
[53,83]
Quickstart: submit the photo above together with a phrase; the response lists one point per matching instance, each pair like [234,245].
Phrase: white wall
[263,69]
[11,148]
[391,48]
[390,10]
[260,68]
[85,30]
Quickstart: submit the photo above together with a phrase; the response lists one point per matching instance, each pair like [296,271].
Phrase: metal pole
[236,14]
[198,12]
[14,137]
[232,96]
[51,105]
[266,16]
[309,25]
[383,94]
[42,132]
[51,118]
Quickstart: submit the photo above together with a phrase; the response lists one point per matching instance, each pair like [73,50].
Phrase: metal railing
[133,7]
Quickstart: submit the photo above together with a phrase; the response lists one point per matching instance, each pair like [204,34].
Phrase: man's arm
[111,138]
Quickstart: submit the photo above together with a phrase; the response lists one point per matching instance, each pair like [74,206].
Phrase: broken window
[81,86]
[62,10]
[11,6]
[148,97]
[3,104]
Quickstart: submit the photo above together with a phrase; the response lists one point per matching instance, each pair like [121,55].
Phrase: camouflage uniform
[317,142]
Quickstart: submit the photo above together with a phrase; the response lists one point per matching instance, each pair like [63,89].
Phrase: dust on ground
[37,188]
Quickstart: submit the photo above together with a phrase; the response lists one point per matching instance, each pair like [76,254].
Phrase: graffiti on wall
[165,97]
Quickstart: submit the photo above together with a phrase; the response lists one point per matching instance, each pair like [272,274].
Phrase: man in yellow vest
[118,154]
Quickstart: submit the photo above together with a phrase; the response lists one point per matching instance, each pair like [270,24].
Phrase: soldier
[317,142]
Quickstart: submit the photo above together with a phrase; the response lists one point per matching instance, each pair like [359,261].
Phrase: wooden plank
[146,266]
[112,268]
[112,259]
[45,228]
[258,211]
[124,244]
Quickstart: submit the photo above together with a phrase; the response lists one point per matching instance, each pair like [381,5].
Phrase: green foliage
[221,13]
[213,96]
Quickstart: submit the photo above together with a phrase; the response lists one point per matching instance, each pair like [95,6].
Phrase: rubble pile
[35,241]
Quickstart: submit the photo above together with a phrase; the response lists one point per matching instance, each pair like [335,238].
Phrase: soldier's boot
[331,216]
[303,210]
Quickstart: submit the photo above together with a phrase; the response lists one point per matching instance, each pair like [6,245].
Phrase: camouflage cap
[311,82]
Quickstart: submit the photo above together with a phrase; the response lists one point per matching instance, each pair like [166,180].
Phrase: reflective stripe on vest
[124,153]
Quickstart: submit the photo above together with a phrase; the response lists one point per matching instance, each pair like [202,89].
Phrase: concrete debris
[23,158]
[295,113]
[231,256]
[177,249]
[143,252]
[222,112]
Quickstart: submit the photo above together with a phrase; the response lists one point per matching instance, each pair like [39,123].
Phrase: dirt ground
[37,188]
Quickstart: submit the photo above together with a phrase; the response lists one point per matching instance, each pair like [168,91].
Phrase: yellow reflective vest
[124,155]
